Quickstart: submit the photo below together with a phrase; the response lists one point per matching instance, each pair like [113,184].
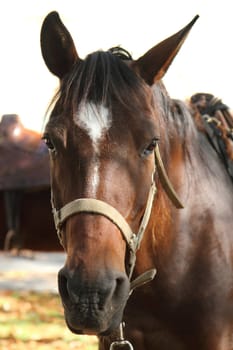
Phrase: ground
[34,321]
[31,315]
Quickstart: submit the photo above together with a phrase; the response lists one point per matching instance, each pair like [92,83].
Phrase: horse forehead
[94,119]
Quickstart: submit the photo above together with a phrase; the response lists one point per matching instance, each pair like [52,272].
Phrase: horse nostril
[119,283]
[121,288]
[66,291]
[63,285]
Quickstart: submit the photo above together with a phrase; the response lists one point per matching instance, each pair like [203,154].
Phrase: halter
[98,207]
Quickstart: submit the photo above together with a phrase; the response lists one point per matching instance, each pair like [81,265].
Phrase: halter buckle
[121,343]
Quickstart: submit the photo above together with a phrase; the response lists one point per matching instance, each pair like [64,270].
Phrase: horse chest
[163,322]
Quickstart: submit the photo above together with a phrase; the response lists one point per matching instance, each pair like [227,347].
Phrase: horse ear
[57,46]
[154,64]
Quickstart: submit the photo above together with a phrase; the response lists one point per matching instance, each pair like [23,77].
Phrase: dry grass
[34,321]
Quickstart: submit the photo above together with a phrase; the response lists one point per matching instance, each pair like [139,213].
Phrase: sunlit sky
[204,64]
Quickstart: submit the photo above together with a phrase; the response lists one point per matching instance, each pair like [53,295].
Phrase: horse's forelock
[101,78]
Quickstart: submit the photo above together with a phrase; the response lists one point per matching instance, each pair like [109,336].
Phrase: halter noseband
[96,206]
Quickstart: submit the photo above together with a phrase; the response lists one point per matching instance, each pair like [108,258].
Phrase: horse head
[102,132]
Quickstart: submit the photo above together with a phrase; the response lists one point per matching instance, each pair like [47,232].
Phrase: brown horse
[109,115]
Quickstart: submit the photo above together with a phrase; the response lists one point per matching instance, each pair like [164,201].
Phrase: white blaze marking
[95,177]
[95,120]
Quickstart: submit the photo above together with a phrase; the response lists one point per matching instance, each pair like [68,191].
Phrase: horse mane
[176,116]
[182,119]
[101,77]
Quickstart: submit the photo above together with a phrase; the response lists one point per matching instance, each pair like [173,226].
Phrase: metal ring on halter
[121,342]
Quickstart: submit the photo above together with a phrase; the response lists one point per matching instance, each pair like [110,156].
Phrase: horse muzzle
[94,305]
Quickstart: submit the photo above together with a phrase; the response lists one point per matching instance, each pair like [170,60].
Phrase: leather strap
[95,206]
[167,186]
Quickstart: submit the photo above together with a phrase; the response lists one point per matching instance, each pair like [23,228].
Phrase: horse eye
[48,142]
[150,148]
